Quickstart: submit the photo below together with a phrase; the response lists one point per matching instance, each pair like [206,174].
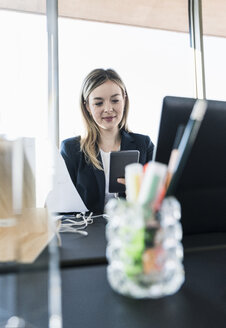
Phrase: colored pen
[152,182]
[174,155]
[133,176]
[170,168]
[187,141]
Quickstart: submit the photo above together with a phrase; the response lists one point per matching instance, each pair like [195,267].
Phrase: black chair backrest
[202,186]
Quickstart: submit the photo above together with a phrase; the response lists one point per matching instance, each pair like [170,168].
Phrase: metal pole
[54,292]
[53,71]
[196,41]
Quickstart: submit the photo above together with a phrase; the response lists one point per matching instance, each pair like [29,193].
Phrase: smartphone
[118,162]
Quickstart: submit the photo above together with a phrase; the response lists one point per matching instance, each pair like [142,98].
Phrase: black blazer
[88,180]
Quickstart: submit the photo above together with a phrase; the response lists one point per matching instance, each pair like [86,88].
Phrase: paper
[63,197]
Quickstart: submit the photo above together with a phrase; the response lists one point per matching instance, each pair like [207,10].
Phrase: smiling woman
[104,105]
[107,111]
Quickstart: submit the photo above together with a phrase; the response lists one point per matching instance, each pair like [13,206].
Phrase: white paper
[63,197]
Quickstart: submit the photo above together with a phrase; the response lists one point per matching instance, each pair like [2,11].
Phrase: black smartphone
[118,162]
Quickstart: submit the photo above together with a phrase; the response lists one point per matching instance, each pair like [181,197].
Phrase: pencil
[170,168]
[174,154]
[187,142]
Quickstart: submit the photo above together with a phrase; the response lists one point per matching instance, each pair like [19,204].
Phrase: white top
[106,164]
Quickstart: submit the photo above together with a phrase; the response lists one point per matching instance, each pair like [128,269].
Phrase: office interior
[160,48]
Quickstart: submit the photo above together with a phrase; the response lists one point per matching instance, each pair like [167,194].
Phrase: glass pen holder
[144,250]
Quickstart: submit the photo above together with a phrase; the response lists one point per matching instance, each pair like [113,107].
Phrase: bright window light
[152,63]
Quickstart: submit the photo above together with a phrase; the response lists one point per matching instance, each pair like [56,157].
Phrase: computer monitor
[202,185]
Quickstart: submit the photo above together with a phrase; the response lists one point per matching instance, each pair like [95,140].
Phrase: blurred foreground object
[144,236]
[30,229]
[28,297]
[145,258]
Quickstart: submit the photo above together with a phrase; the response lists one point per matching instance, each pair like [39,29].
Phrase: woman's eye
[115,101]
[99,104]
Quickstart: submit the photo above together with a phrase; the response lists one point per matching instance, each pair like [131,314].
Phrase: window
[23,77]
[152,63]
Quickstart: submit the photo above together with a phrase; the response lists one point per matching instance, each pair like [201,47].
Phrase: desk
[77,250]
[88,300]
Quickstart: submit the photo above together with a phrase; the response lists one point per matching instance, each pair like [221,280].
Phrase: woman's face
[106,105]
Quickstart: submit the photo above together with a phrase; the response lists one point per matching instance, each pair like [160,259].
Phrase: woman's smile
[108,118]
[106,105]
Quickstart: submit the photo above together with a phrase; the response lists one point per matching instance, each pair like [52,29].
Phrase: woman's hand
[121,180]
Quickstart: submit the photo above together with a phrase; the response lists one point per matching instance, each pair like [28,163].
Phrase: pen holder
[144,250]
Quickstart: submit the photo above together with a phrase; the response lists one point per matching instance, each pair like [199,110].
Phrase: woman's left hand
[121,180]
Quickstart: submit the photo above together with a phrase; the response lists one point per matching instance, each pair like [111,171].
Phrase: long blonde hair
[89,142]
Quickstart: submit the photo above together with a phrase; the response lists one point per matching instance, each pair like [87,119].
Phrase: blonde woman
[104,104]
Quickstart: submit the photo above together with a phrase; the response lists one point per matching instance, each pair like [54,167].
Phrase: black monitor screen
[206,165]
